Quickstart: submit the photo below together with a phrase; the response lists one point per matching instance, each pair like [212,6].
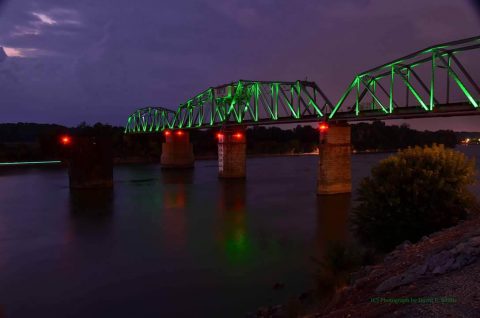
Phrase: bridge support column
[177,151]
[334,168]
[232,148]
[90,162]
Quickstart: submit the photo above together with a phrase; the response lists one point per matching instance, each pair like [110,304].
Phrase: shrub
[413,193]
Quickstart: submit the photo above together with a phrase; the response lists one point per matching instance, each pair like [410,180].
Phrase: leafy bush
[413,193]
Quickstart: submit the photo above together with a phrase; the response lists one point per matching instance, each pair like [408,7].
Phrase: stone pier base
[90,162]
[232,148]
[177,151]
[334,168]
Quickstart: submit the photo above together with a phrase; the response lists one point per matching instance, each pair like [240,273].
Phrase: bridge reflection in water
[201,236]
[175,199]
[90,226]
[332,221]
[97,202]
[93,210]
[232,219]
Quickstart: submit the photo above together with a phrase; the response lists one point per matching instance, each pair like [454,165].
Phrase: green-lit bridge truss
[431,82]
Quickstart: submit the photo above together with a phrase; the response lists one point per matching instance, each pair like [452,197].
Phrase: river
[164,243]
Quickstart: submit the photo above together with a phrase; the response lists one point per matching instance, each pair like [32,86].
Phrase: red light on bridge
[167,133]
[238,136]
[323,127]
[219,135]
[179,133]
[65,140]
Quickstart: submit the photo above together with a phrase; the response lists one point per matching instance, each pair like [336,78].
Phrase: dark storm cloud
[476,3]
[2,4]
[97,60]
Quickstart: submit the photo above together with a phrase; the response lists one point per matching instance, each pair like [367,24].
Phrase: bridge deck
[451,110]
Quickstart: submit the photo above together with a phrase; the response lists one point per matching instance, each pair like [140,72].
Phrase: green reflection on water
[238,247]
[234,235]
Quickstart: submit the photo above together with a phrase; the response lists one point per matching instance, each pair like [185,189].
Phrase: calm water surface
[166,244]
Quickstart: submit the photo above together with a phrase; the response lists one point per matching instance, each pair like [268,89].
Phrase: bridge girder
[373,94]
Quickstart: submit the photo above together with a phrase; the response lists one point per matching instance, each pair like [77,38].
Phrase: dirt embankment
[437,277]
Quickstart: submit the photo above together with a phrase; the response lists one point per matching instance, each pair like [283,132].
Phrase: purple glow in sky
[98,60]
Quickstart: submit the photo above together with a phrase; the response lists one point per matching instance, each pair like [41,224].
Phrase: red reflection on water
[175,199]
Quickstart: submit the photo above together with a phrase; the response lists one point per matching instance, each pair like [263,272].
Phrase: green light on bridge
[249,102]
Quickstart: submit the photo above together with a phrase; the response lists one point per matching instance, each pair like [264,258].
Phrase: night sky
[98,60]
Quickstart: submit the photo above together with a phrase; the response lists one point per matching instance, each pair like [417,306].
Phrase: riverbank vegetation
[27,141]
[413,193]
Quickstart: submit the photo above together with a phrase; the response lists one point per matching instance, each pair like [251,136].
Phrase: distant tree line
[28,141]
[378,136]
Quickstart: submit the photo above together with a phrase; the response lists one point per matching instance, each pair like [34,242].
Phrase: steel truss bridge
[436,81]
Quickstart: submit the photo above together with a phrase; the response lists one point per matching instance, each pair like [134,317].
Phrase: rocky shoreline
[436,277]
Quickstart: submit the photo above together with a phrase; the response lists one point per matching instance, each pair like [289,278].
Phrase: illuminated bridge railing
[242,102]
[441,80]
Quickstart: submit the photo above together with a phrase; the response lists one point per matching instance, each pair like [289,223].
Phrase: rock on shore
[436,277]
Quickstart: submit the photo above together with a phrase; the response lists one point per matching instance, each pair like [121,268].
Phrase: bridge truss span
[244,102]
[441,80]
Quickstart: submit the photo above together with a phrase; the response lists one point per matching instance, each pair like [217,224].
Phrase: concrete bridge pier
[90,162]
[232,153]
[334,168]
[177,151]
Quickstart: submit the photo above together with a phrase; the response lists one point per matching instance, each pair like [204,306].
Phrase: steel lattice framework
[387,91]
[431,82]
[242,102]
